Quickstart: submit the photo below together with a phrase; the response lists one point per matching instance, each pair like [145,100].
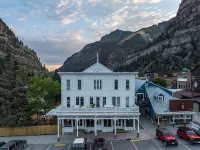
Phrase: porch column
[124,123]
[159,121]
[95,127]
[63,125]
[184,118]
[196,118]
[77,127]
[72,121]
[58,120]
[173,120]
[138,129]
[115,127]
[85,125]
[134,124]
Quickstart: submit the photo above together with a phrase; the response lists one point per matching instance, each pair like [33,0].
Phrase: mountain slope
[17,64]
[177,47]
[113,48]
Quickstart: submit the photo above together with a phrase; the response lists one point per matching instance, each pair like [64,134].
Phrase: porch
[96,119]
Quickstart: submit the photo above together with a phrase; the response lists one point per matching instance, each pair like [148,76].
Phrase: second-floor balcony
[105,111]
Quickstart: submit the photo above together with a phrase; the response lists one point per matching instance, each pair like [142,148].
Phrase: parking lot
[122,145]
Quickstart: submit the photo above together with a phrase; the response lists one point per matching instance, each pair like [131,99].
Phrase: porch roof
[177,113]
[66,111]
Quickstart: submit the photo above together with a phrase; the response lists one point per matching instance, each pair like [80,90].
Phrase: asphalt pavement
[153,144]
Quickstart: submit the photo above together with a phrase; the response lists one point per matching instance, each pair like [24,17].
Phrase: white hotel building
[97,99]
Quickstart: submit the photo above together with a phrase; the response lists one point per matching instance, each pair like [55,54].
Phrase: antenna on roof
[97,57]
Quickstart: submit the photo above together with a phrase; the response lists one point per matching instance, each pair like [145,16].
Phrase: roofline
[96,73]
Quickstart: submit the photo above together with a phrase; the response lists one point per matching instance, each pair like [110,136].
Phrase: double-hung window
[118,101]
[116,84]
[98,84]
[82,101]
[104,101]
[91,101]
[127,101]
[68,85]
[127,85]
[114,101]
[68,101]
[79,84]
[77,101]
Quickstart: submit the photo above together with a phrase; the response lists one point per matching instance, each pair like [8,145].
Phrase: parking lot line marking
[184,145]
[49,147]
[69,146]
[28,148]
[135,146]
[157,145]
[112,145]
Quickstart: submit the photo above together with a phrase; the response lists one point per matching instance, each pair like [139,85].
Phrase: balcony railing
[115,110]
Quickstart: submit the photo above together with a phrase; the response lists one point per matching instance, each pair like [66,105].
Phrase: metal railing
[114,110]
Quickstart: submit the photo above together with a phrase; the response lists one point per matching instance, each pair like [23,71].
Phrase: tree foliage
[160,81]
[43,94]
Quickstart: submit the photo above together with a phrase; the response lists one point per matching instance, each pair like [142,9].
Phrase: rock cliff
[167,47]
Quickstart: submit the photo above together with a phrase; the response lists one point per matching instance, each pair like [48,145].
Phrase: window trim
[162,98]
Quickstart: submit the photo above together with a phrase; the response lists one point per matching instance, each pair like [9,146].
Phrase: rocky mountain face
[17,64]
[167,47]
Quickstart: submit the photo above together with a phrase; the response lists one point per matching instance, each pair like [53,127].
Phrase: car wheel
[165,143]
[190,142]
[157,137]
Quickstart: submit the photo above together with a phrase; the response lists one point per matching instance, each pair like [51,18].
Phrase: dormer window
[160,98]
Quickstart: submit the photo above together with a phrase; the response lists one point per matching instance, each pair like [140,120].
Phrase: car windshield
[101,145]
[167,134]
[101,140]
[190,132]
[77,145]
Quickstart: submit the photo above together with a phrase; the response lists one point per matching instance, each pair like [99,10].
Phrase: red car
[166,136]
[188,134]
[99,144]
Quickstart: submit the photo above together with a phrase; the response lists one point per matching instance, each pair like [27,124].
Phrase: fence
[31,130]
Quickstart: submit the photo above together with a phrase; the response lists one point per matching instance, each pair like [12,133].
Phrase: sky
[56,29]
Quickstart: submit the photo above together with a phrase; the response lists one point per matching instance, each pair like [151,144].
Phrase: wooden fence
[31,130]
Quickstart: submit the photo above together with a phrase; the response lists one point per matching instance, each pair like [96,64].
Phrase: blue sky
[56,29]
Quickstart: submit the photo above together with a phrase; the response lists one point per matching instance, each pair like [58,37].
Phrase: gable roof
[98,67]
[159,107]
[139,84]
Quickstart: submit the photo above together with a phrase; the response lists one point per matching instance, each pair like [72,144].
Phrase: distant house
[182,79]
[158,103]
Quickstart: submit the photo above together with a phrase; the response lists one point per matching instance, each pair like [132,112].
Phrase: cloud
[147,1]
[22,18]
[62,3]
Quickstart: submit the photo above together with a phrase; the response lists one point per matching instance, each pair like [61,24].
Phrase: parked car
[80,144]
[189,135]
[2,143]
[99,144]
[197,132]
[14,145]
[166,136]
